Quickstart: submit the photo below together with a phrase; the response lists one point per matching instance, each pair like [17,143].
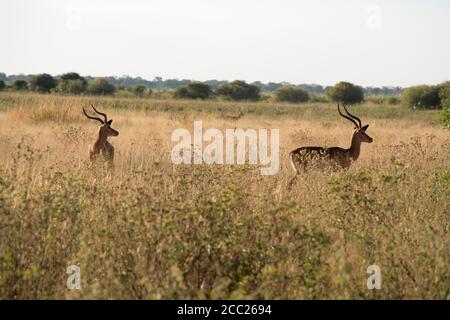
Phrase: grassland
[152,230]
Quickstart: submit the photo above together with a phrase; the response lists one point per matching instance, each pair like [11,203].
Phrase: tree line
[159,83]
[417,97]
[238,90]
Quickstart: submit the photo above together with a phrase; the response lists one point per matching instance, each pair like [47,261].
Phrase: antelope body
[301,157]
[101,146]
[230,117]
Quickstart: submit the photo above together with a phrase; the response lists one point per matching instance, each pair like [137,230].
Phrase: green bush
[346,93]
[291,94]
[444,95]
[320,98]
[393,100]
[138,90]
[71,83]
[42,83]
[239,90]
[422,97]
[194,90]
[71,86]
[444,117]
[20,85]
[2,85]
[100,86]
[73,76]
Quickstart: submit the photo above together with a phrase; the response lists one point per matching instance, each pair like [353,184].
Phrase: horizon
[369,43]
[91,77]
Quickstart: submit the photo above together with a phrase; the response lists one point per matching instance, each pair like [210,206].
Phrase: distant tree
[100,86]
[138,90]
[444,95]
[347,93]
[272,86]
[422,97]
[42,83]
[73,76]
[393,100]
[194,90]
[71,86]
[181,92]
[291,93]
[20,85]
[3,76]
[213,84]
[2,85]
[239,90]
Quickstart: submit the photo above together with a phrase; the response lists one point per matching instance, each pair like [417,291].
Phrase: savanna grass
[152,230]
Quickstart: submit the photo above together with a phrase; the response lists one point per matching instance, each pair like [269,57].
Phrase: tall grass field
[149,229]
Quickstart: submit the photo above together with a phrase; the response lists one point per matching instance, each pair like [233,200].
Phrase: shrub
[100,86]
[42,83]
[422,97]
[138,90]
[71,86]
[444,95]
[239,90]
[321,98]
[194,90]
[73,76]
[393,100]
[347,93]
[20,85]
[71,83]
[444,117]
[291,94]
[2,85]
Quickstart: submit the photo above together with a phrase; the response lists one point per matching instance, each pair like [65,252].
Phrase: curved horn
[100,113]
[354,117]
[344,116]
[93,118]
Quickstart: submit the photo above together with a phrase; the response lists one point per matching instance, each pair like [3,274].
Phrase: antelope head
[105,129]
[359,132]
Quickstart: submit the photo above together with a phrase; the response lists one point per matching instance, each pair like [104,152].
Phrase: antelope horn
[93,118]
[100,113]
[354,117]
[346,117]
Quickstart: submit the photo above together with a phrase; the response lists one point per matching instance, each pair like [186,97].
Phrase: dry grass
[154,230]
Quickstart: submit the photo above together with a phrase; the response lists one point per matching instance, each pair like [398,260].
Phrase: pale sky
[370,43]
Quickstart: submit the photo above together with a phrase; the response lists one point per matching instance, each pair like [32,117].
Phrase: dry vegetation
[152,230]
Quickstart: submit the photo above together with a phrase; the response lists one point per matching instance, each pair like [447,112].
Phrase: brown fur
[340,157]
[335,157]
[101,146]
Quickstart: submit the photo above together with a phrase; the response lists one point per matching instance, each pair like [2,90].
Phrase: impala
[338,157]
[230,117]
[101,146]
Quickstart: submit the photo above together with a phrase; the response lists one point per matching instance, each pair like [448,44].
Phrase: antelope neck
[355,148]
[102,138]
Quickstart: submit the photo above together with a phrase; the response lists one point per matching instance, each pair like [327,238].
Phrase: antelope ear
[109,122]
[363,129]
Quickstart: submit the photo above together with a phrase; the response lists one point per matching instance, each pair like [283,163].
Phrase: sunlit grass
[151,230]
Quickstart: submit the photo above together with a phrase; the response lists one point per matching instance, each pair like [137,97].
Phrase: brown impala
[101,145]
[337,157]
